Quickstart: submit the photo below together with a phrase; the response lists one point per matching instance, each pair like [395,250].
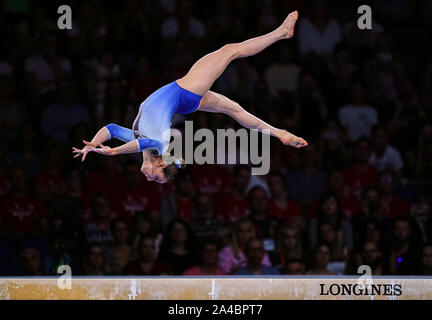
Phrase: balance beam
[215,288]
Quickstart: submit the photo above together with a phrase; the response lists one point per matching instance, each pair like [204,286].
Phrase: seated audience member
[403,254]
[120,252]
[373,257]
[178,247]
[94,262]
[279,205]
[421,215]
[329,211]
[179,203]
[232,257]
[20,213]
[97,230]
[205,224]
[360,173]
[31,262]
[234,204]
[320,260]
[357,118]
[255,253]
[385,156]
[288,246]
[266,226]
[209,261]
[146,264]
[391,206]
[329,235]
[426,261]
[293,267]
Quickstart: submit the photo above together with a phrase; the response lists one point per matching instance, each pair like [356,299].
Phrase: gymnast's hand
[101,150]
[89,147]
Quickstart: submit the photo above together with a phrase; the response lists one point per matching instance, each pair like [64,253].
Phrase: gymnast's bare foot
[291,140]
[287,27]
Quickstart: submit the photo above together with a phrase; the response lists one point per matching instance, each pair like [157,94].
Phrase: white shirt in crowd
[358,121]
[391,159]
[321,42]
[44,71]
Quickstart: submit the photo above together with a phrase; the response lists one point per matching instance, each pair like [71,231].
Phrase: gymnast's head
[162,169]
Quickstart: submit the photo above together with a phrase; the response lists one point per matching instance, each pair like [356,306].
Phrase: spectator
[50,183]
[390,205]
[44,69]
[97,229]
[179,203]
[94,263]
[384,156]
[143,226]
[232,257]
[309,183]
[147,264]
[27,154]
[329,235]
[209,261]
[357,117]
[288,247]
[279,205]
[205,224]
[59,118]
[403,254]
[265,225]
[318,34]
[137,194]
[426,261]
[31,262]
[320,261]
[255,254]
[120,253]
[234,204]
[360,173]
[293,268]
[21,214]
[330,212]
[282,75]
[422,222]
[372,257]
[178,246]
[12,112]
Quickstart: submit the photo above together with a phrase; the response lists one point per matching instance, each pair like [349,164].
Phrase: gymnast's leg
[215,102]
[205,71]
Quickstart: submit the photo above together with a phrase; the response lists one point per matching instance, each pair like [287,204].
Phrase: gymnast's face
[153,170]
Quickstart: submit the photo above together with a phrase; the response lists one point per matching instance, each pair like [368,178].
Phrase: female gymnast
[184,96]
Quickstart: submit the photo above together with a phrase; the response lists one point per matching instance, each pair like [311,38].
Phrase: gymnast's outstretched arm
[111,131]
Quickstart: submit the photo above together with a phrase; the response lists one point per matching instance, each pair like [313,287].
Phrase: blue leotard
[154,117]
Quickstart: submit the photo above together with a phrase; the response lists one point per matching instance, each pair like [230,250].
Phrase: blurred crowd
[359,194]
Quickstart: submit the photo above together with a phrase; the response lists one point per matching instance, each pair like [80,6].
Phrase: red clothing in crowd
[97,182]
[18,214]
[211,178]
[128,202]
[184,209]
[231,208]
[357,179]
[197,271]
[291,210]
[398,207]
[52,182]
